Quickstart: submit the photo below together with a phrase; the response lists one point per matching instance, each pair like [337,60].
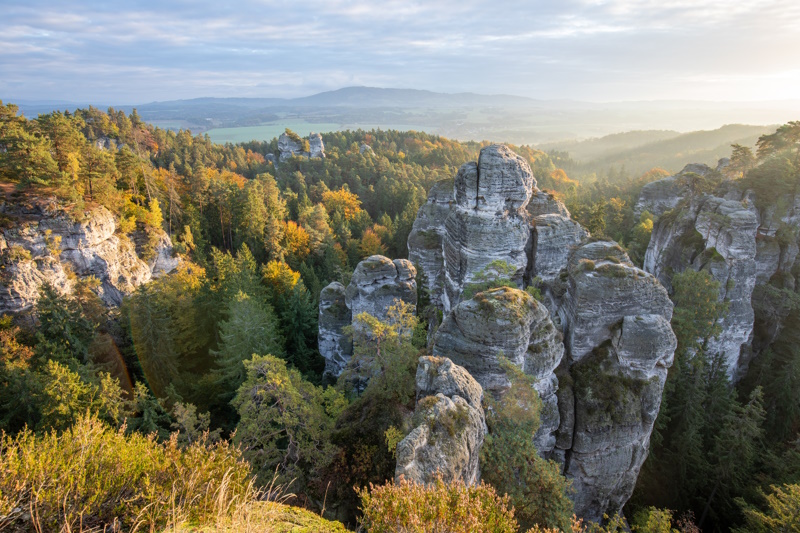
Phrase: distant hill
[462,116]
[639,151]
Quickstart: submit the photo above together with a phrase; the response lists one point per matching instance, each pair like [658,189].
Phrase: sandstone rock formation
[614,320]
[554,237]
[718,235]
[509,323]
[427,235]
[450,426]
[289,147]
[316,146]
[334,315]
[46,243]
[488,221]
[619,344]
[375,286]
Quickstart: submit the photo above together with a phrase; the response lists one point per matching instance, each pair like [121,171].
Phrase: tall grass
[95,478]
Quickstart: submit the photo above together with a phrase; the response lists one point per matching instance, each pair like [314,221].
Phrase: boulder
[450,426]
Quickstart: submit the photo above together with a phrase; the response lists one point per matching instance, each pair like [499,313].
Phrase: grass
[93,478]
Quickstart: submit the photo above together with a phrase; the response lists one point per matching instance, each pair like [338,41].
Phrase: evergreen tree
[251,328]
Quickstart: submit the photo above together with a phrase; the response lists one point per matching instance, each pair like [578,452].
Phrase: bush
[410,507]
[91,476]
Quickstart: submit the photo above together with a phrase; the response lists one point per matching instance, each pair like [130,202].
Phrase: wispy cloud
[589,49]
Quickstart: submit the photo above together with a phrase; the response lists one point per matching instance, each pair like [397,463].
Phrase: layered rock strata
[427,235]
[488,221]
[377,284]
[46,245]
[619,347]
[450,426]
[508,323]
[717,235]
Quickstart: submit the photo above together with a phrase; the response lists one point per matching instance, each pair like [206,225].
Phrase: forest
[212,373]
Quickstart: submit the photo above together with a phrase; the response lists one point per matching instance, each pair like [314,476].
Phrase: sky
[130,52]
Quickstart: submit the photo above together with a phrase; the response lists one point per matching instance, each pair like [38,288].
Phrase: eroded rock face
[316,146]
[554,237]
[451,426]
[288,147]
[544,203]
[619,348]
[427,235]
[717,235]
[377,284]
[662,195]
[488,222]
[334,345]
[509,323]
[50,243]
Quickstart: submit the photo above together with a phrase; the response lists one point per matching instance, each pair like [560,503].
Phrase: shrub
[410,507]
[91,476]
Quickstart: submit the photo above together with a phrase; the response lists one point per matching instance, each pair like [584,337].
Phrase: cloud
[597,50]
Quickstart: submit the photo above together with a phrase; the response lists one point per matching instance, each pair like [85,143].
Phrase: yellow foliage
[342,201]
[280,276]
[296,240]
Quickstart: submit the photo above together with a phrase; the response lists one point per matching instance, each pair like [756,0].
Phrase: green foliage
[782,512]
[285,423]
[453,507]
[496,274]
[251,328]
[511,464]
[91,476]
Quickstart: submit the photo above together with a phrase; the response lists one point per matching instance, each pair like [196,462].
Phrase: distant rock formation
[376,283]
[450,429]
[508,323]
[289,146]
[46,244]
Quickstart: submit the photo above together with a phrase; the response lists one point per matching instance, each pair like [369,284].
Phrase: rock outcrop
[660,196]
[292,145]
[334,345]
[46,243]
[619,343]
[427,235]
[450,426]
[376,285]
[717,235]
[554,237]
[508,323]
[612,320]
[488,221]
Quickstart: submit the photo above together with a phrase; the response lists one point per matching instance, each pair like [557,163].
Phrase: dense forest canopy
[226,346]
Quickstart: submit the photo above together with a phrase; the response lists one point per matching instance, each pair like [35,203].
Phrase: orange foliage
[296,240]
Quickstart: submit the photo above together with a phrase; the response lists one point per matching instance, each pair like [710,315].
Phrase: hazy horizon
[591,51]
